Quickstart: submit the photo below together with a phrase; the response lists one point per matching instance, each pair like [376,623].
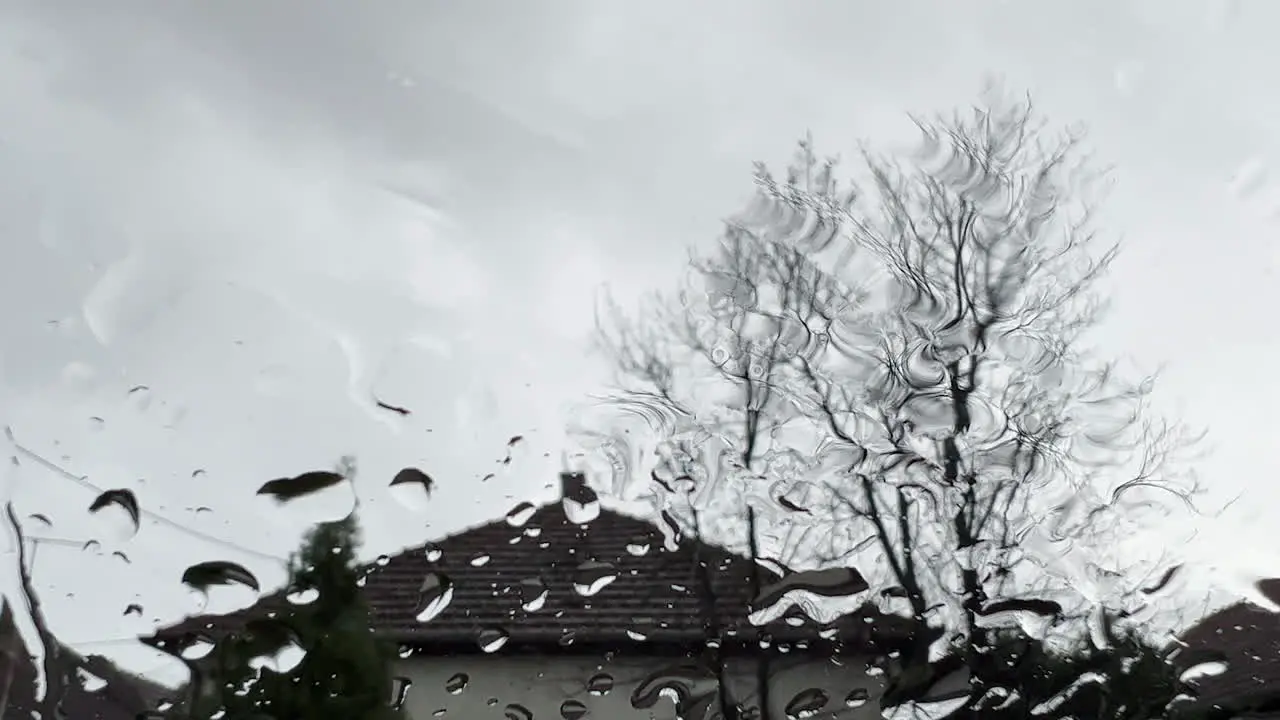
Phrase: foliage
[345,671]
[894,377]
[1130,679]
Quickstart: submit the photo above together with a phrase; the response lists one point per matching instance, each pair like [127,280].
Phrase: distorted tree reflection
[896,376]
[318,659]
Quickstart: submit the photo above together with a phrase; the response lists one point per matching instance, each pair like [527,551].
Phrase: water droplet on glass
[637,636]
[305,596]
[533,594]
[591,577]
[432,553]
[492,639]
[581,507]
[139,397]
[515,711]
[382,560]
[480,559]
[92,546]
[317,496]
[412,488]
[282,660]
[600,684]
[400,691]
[806,703]
[573,710]
[857,698]
[457,683]
[638,549]
[202,576]
[90,682]
[520,514]
[118,511]
[434,596]
[1202,670]
[197,648]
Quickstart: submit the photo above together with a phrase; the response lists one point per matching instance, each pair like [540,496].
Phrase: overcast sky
[268,212]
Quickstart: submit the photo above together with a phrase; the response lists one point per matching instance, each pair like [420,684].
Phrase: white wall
[542,684]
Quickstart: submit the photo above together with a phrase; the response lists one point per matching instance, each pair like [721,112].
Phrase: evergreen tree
[345,671]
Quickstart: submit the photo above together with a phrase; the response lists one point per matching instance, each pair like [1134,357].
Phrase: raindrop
[400,691]
[284,659]
[219,572]
[140,397]
[286,489]
[412,488]
[1202,670]
[600,684]
[90,682]
[120,510]
[480,559]
[197,647]
[382,560]
[520,514]
[42,519]
[305,596]
[133,609]
[592,577]
[638,548]
[573,710]
[678,680]
[433,597]
[457,683]
[516,711]
[582,506]
[433,553]
[806,703]
[828,582]
[857,697]
[533,594]
[636,635]
[491,640]
[197,473]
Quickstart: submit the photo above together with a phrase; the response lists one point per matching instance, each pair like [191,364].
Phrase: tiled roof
[494,569]
[1247,638]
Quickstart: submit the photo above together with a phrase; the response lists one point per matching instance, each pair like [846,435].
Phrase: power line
[142,511]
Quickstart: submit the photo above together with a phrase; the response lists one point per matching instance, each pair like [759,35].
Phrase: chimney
[572,484]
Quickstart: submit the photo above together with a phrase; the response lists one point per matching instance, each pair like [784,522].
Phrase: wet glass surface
[599,359]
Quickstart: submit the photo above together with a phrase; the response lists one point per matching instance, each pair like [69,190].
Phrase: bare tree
[900,370]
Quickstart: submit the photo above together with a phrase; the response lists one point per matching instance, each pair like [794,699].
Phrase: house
[95,689]
[1234,658]
[572,610]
